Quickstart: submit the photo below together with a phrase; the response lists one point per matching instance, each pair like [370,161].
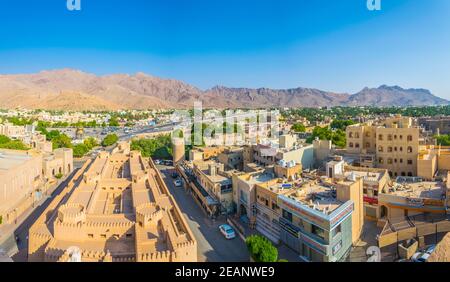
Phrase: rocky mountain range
[69,89]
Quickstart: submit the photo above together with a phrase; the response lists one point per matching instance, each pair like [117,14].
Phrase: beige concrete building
[413,198]
[216,181]
[394,143]
[432,160]
[20,181]
[116,208]
[26,175]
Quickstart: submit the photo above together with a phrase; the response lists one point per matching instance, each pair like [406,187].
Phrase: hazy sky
[331,45]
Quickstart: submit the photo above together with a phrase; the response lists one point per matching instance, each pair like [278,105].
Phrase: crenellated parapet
[71,214]
[148,214]
[164,256]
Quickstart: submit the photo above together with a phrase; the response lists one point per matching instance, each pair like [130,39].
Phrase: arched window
[350,145]
[380,148]
[389,161]
[409,138]
[410,149]
[380,160]
[389,137]
[401,149]
[356,145]
[380,137]
[389,149]
[401,137]
[350,134]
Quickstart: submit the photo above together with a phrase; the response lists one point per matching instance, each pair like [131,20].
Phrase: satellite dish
[74,254]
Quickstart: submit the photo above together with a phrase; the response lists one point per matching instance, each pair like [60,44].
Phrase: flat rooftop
[316,195]
[366,175]
[427,190]
[11,159]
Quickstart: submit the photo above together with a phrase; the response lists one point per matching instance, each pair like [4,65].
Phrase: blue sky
[331,45]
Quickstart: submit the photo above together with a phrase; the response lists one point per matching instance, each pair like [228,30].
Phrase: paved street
[212,246]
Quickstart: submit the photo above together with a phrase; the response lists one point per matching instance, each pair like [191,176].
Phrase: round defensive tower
[177,149]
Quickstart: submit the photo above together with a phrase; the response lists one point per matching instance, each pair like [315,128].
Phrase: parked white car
[227,231]
[178,183]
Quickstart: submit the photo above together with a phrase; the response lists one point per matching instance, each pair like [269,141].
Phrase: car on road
[227,231]
[423,255]
[174,174]
[158,162]
[178,183]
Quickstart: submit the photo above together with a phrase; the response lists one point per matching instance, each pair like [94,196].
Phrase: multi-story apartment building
[321,219]
[117,208]
[271,151]
[394,143]
[217,182]
[374,181]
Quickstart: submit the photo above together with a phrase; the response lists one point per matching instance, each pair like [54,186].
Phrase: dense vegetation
[443,140]
[82,149]
[7,143]
[343,113]
[325,133]
[159,147]
[298,127]
[261,249]
[109,140]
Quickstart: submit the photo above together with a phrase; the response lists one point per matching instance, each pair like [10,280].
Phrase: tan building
[319,218]
[394,143]
[117,208]
[26,175]
[431,160]
[12,131]
[57,163]
[20,182]
[413,198]
[216,182]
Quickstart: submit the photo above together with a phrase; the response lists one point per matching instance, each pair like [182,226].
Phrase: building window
[350,135]
[401,149]
[356,145]
[389,138]
[129,235]
[380,160]
[103,236]
[351,144]
[401,161]
[410,162]
[380,137]
[395,149]
[90,236]
[380,149]
[395,137]
[403,173]
[356,135]
[409,138]
[410,174]
[389,149]
[287,215]
[410,149]
[389,161]
[336,231]
[367,145]
[375,193]
[316,230]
